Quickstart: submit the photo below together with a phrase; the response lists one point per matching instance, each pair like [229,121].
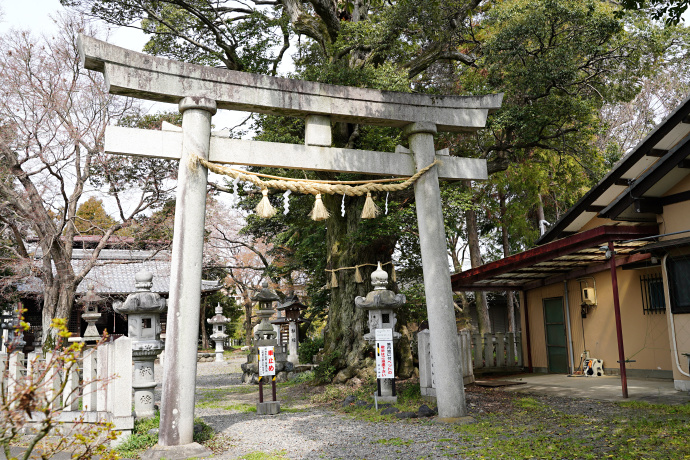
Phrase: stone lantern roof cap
[265,294]
[142,301]
[291,301]
[91,297]
[219,318]
[379,278]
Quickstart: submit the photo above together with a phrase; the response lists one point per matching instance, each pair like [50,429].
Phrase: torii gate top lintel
[139,75]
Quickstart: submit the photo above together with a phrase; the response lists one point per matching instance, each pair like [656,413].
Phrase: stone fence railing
[500,352]
[100,389]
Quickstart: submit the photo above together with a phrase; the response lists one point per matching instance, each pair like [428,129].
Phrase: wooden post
[619,327]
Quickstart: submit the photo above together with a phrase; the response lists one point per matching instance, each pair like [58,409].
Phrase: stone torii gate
[200,91]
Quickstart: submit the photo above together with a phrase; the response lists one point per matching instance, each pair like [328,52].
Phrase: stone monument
[143,310]
[218,323]
[381,304]
[265,336]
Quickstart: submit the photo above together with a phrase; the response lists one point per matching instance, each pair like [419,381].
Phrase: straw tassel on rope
[265,208]
[358,276]
[319,212]
[393,277]
[334,279]
[370,210]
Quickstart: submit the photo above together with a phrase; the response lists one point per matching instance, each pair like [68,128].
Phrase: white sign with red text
[384,354]
[267,361]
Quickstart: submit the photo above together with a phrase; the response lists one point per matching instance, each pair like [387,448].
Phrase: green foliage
[308,348]
[327,368]
[671,12]
[91,218]
[140,439]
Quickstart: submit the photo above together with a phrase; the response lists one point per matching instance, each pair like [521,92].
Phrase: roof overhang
[644,197]
[665,138]
[571,257]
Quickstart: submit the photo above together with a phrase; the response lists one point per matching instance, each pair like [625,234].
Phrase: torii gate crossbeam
[199,91]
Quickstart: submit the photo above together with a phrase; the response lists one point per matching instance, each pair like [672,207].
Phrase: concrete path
[606,388]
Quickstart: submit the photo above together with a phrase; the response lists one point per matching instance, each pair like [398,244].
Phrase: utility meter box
[588,296]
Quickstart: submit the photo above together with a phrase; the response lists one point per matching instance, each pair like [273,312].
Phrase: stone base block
[681,385]
[387,399]
[268,408]
[183,452]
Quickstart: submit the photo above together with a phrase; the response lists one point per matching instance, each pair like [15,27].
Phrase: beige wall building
[611,279]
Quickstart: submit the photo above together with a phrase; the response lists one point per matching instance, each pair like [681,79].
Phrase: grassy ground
[506,425]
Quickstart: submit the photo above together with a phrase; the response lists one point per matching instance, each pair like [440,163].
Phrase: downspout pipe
[619,327]
[570,334]
[667,293]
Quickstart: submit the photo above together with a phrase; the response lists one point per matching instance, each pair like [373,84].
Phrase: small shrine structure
[265,336]
[291,309]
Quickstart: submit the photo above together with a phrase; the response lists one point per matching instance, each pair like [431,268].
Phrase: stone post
[179,380]
[450,393]
[293,342]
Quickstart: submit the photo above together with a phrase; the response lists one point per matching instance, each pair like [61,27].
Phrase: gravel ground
[316,432]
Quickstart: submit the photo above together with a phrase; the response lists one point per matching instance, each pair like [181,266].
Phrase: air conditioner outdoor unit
[588,296]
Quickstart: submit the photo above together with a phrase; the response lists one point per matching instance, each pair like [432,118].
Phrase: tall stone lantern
[91,300]
[291,308]
[265,336]
[218,323]
[381,304]
[143,310]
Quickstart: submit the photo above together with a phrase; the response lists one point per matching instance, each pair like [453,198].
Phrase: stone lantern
[218,323]
[143,310]
[381,304]
[265,336]
[91,314]
[291,309]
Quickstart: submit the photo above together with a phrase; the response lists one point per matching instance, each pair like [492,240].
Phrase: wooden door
[556,344]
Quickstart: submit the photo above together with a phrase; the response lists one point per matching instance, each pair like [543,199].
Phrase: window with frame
[653,299]
[678,269]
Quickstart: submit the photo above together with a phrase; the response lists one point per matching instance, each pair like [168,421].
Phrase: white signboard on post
[267,361]
[384,354]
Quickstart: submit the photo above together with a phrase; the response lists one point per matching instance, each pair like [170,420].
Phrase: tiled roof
[116,275]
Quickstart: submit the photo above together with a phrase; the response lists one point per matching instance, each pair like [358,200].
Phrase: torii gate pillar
[179,381]
[450,392]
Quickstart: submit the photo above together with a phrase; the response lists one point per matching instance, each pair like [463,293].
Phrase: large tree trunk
[58,299]
[506,252]
[346,323]
[202,326]
[248,329]
[483,321]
